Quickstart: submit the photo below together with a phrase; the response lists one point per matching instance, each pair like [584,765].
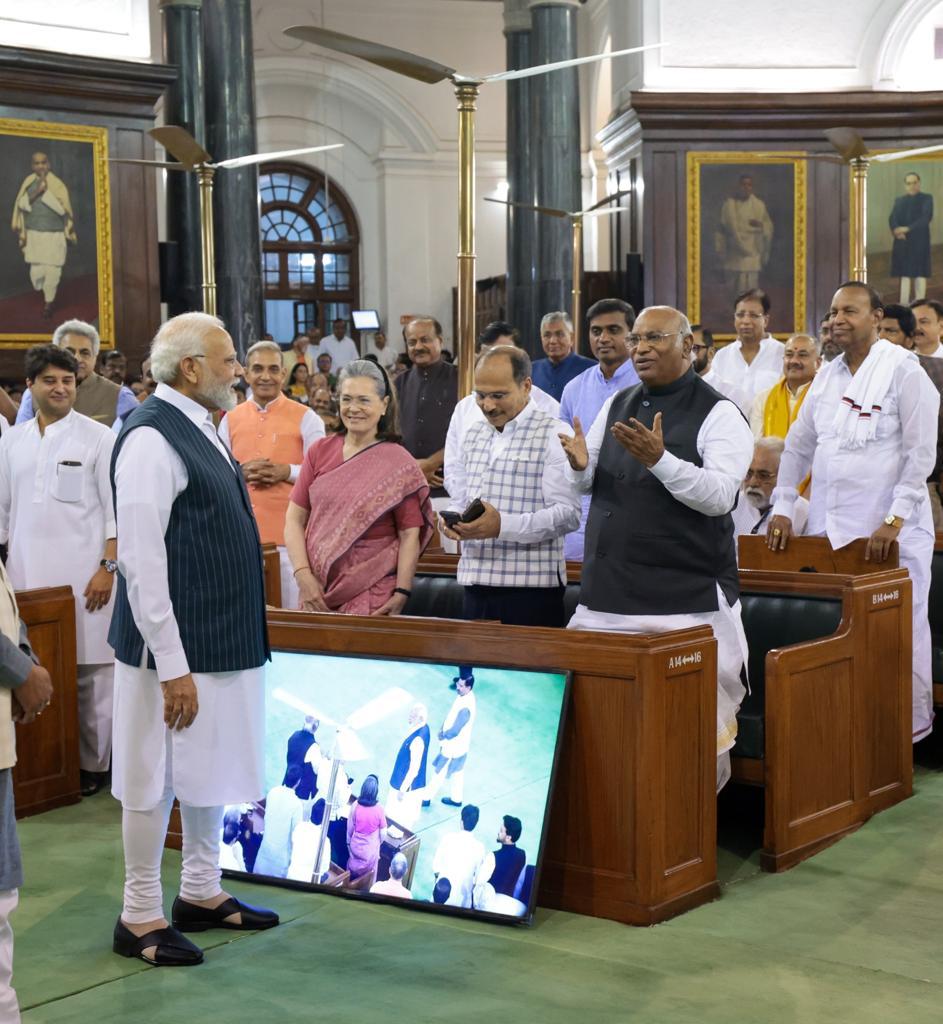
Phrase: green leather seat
[773,621]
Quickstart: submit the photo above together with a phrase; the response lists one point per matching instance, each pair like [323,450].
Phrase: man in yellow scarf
[775,410]
[43,223]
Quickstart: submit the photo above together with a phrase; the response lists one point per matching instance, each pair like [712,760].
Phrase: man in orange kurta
[268,435]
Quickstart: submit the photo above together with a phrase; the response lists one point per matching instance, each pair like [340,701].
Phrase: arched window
[310,251]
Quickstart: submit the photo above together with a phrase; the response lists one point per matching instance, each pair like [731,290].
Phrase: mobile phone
[474,511]
[450,518]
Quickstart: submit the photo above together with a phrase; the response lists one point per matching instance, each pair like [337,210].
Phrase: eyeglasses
[698,348]
[652,338]
[763,475]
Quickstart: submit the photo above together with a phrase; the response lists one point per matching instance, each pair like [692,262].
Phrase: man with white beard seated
[754,508]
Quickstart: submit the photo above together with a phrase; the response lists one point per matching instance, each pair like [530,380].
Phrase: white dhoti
[96,702]
[45,252]
[732,656]
[916,556]
[9,1009]
[404,808]
[291,599]
[217,760]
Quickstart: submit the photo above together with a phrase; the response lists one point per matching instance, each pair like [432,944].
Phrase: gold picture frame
[70,274]
[714,278]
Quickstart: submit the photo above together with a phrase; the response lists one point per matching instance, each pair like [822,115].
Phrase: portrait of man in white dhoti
[44,226]
[744,237]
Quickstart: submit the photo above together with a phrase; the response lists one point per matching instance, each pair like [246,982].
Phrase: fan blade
[149,163]
[299,705]
[603,213]
[258,158]
[847,141]
[400,61]
[904,154]
[602,202]
[549,210]
[825,158]
[540,69]
[380,707]
[181,144]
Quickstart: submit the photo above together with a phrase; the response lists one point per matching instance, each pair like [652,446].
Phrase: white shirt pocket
[69,484]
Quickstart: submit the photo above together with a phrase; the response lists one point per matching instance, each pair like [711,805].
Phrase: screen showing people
[413,782]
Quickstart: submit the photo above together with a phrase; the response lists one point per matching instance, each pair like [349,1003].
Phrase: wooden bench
[47,769]
[826,729]
[632,829]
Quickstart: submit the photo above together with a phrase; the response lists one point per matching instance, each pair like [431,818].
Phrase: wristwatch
[108,565]
[892,520]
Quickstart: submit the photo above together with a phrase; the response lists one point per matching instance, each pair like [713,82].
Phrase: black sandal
[172,948]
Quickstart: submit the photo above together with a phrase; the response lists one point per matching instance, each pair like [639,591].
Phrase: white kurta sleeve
[103,483]
[148,477]
[312,429]
[796,460]
[918,405]
[6,489]
[561,513]
[454,467]
[583,479]
[725,444]
[223,431]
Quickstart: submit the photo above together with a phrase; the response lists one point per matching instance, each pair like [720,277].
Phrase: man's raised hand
[575,447]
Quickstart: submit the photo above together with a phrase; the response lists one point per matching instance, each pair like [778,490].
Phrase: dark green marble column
[183,106]
[230,132]
[555,147]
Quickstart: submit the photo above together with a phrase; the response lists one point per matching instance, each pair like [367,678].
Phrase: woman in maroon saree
[360,513]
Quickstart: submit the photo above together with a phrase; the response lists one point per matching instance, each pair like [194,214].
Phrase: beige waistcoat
[10,628]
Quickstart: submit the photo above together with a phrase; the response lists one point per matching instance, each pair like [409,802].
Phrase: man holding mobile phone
[513,498]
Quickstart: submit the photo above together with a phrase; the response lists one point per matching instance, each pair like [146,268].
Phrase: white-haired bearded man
[755,507]
[190,641]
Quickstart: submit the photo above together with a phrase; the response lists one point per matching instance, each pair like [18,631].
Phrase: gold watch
[892,520]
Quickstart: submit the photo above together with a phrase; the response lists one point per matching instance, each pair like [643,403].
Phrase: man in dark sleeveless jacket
[190,642]
[664,460]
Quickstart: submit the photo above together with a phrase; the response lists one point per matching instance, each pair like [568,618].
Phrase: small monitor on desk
[421,784]
[366,319]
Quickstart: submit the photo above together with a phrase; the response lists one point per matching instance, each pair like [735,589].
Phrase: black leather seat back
[772,621]
[936,614]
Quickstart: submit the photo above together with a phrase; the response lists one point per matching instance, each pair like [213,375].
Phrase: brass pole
[466,94]
[208,257]
[576,312]
[859,219]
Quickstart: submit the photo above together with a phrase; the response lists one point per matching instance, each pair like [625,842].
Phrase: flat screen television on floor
[425,785]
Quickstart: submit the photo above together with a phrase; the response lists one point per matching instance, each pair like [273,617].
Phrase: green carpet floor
[853,935]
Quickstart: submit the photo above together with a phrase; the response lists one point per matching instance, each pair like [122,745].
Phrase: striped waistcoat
[513,483]
[214,558]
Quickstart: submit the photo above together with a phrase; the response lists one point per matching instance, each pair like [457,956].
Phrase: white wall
[119,29]
[399,162]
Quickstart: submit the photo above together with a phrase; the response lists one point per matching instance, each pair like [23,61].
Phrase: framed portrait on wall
[55,256]
[904,247]
[746,228]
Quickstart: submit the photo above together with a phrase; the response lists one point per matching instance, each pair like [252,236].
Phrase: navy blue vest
[402,760]
[647,553]
[214,556]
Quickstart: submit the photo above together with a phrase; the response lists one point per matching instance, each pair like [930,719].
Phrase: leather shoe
[189,917]
[172,948]
[451,803]
[91,783]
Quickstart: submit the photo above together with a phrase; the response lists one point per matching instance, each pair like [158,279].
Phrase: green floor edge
[852,935]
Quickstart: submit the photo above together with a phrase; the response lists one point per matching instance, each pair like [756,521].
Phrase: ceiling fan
[466,91]
[191,156]
[576,223]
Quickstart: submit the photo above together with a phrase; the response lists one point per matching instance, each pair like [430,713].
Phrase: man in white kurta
[753,361]
[868,431]
[674,548]
[180,731]
[57,516]
[454,744]
[463,860]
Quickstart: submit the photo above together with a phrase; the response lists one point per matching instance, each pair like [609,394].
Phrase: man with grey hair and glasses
[190,641]
[663,461]
[753,511]
[562,364]
[95,397]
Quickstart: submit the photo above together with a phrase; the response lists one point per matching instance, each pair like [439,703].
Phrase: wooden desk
[271,568]
[812,554]
[632,830]
[47,770]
